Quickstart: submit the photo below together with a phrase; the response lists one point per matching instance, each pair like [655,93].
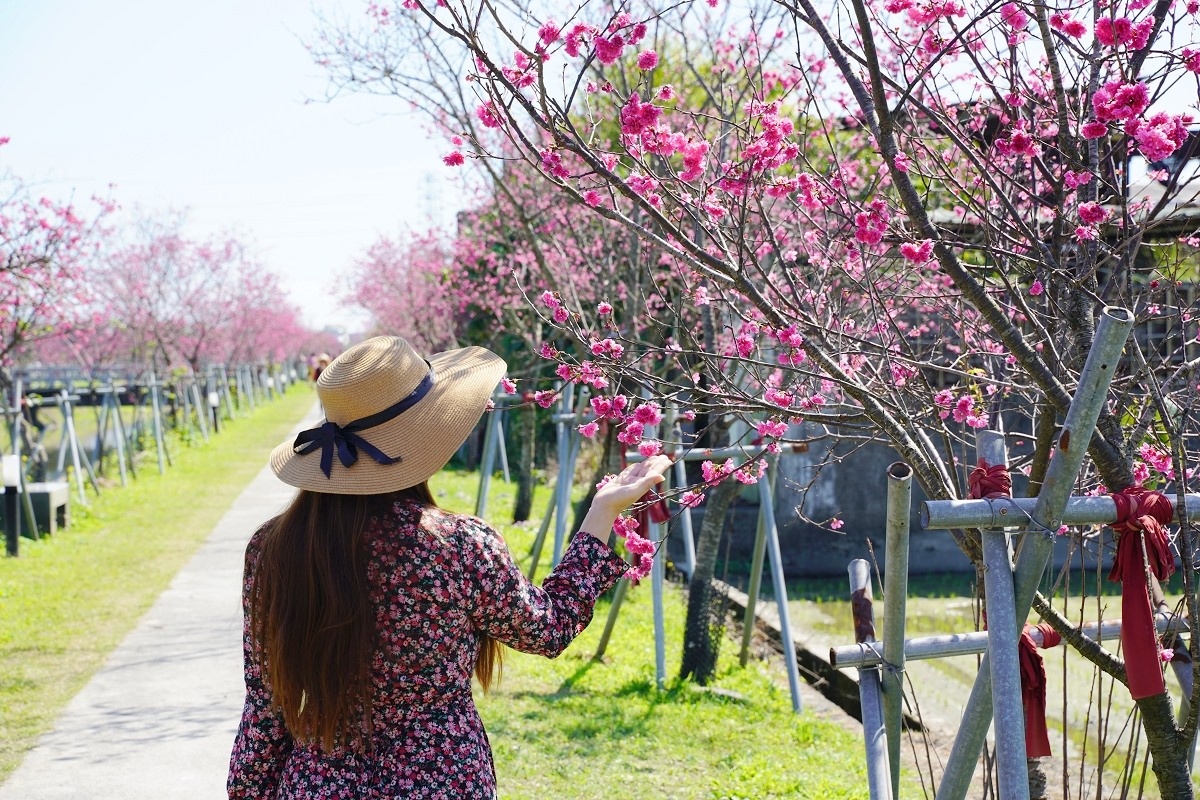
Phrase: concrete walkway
[158,720]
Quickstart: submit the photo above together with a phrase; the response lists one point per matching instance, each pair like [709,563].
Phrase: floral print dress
[438,581]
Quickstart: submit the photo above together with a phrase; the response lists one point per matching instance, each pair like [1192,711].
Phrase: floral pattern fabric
[438,581]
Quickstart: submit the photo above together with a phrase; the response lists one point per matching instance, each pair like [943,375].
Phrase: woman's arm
[544,619]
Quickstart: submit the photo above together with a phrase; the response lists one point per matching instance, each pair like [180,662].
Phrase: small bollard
[12,520]
[214,403]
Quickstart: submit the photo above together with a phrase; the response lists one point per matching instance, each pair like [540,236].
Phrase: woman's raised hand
[620,492]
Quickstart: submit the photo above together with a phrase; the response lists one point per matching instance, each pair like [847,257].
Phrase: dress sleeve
[262,743]
[506,606]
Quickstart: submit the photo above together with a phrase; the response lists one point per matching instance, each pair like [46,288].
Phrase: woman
[368,609]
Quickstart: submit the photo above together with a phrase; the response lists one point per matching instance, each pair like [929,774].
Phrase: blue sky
[201,106]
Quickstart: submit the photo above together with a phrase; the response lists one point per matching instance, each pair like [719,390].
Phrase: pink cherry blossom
[1116,101]
[1160,135]
[1093,213]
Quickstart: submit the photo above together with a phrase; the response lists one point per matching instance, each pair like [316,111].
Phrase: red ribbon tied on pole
[987,481]
[1033,688]
[1141,515]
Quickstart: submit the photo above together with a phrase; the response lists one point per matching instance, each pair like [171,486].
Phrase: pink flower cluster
[1157,459]
[558,311]
[1067,26]
[767,151]
[917,252]
[634,422]
[1160,135]
[637,545]
[962,408]
[1116,101]
[608,44]
[871,225]
[1122,32]
[1018,144]
[771,429]
[585,372]
[607,347]
[749,473]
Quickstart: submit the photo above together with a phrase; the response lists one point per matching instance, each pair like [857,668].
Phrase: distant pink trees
[406,286]
[47,248]
[152,296]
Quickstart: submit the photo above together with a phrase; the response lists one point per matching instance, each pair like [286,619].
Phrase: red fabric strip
[1033,695]
[1141,515]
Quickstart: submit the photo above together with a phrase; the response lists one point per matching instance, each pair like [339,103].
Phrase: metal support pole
[487,461]
[158,432]
[758,556]
[119,432]
[1038,540]
[539,541]
[25,501]
[1012,768]
[685,521]
[613,612]
[895,609]
[781,600]
[69,420]
[200,406]
[566,472]
[502,452]
[1018,511]
[879,772]
[975,642]
[657,573]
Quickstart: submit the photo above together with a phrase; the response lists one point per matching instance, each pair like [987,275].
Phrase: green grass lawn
[577,728]
[69,600]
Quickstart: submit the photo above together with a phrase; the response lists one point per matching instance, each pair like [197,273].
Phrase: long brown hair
[311,619]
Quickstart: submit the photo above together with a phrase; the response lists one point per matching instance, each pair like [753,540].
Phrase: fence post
[895,608]
[879,773]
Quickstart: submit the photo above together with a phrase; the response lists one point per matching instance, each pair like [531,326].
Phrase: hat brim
[424,437]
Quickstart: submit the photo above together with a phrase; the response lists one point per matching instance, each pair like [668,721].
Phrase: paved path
[158,720]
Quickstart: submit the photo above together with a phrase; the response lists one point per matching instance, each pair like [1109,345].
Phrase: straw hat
[392,419]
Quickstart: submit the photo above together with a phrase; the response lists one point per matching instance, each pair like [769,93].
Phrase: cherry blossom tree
[895,219]
[170,300]
[46,247]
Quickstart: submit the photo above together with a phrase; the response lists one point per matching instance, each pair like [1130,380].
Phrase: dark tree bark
[524,430]
[700,646]
[1168,750]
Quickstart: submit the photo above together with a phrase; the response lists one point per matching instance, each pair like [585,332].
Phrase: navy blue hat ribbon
[330,436]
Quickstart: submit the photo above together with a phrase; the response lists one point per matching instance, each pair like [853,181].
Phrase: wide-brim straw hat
[424,412]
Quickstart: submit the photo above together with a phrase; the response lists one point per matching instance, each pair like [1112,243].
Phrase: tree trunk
[700,646]
[1168,750]
[524,430]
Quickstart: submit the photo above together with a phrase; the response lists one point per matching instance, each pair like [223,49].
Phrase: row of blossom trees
[892,219]
[76,288]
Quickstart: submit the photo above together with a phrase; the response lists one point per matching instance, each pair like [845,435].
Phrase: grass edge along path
[573,728]
[68,600]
